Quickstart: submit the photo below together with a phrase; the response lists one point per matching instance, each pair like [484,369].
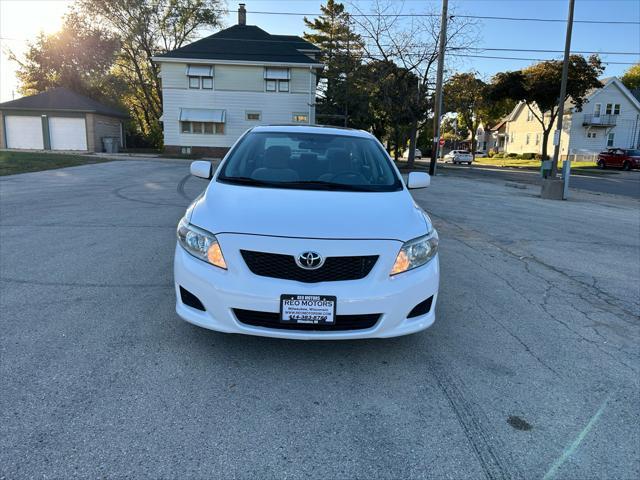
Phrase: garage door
[24,132]
[67,133]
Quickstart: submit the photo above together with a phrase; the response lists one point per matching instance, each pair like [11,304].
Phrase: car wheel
[626,166]
[601,164]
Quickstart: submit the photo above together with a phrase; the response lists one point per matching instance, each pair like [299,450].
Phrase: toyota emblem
[310,260]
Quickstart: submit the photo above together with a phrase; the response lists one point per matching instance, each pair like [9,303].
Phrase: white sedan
[459,156]
[307,233]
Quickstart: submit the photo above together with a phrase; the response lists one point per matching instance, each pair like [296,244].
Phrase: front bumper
[221,291]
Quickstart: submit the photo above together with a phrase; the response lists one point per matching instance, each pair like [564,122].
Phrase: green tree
[392,102]
[539,86]
[466,95]
[341,50]
[78,57]
[631,78]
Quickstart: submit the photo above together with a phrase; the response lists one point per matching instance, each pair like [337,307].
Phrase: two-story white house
[216,88]
[610,117]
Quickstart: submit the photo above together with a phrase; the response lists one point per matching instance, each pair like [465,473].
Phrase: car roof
[319,129]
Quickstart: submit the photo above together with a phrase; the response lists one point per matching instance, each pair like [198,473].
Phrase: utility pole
[549,191]
[346,79]
[437,107]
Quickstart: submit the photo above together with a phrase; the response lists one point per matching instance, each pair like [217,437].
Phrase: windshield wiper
[319,184]
[248,181]
[302,184]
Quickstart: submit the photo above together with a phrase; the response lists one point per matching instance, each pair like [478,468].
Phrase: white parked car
[417,156]
[459,156]
[481,154]
[307,233]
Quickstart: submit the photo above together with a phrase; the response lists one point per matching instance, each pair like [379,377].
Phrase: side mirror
[418,180]
[202,169]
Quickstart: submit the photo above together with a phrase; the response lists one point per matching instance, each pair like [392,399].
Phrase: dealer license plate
[313,309]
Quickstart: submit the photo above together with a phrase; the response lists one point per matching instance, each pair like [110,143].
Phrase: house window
[597,109]
[529,115]
[591,134]
[276,79]
[207,128]
[196,127]
[537,139]
[613,108]
[300,118]
[610,139]
[283,85]
[200,76]
[253,116]
[207,82]
[527,139]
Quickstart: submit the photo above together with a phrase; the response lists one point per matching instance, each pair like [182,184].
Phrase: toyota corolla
[307,233]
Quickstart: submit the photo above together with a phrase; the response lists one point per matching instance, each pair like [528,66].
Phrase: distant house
[59,119]
[216,88]
[610,117]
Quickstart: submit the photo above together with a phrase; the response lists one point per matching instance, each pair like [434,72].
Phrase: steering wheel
[358,177]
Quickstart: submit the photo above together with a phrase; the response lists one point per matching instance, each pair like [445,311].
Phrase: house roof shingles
[62,99]
[246,43]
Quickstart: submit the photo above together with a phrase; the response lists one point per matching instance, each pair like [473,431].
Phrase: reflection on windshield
[310,161]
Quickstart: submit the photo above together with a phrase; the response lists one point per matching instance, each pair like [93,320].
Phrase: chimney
[242,14]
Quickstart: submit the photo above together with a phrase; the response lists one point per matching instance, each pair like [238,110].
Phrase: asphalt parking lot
[531,370]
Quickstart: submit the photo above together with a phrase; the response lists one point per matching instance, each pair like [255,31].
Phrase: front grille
[334,269]
[272,320]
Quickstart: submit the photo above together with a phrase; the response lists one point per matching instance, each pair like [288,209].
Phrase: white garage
[63,120]
[68,133]
[24,132]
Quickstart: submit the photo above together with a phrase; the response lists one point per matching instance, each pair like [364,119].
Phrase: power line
[478,17]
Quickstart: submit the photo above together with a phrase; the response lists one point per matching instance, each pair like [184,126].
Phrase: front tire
[626,166]
[601,164]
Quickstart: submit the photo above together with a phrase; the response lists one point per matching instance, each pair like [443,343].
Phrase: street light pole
[563,91]
[437,107]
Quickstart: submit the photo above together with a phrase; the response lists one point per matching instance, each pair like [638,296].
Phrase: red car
[619,157]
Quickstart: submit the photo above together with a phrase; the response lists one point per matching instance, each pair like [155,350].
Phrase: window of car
[310,161]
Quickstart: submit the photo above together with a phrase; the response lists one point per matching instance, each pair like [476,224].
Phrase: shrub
[491,153]
[512,155]
[538,156]
[499,155]
[528,156]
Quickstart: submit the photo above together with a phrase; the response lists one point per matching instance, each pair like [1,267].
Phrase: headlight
[200,243]
[416,252]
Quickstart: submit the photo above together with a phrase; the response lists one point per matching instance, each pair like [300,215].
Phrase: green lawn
[514,162]
[23,162]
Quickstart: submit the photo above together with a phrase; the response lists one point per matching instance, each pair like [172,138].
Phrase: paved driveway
[530,371]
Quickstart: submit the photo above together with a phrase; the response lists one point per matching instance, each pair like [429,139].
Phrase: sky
[22,20]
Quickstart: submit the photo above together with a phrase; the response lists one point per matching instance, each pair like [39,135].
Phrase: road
[531,370]
[610,181]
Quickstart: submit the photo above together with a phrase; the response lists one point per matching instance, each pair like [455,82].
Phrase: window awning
[271,73]
[202,115]
[200,70]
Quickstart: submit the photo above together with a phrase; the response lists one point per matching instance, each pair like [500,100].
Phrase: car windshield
[310,161]
[634,153]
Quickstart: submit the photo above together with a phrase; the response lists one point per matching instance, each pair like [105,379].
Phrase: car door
[608,157]
[618,158]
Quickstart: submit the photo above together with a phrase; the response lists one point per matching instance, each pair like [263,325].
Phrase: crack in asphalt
[484,445]
[622,313]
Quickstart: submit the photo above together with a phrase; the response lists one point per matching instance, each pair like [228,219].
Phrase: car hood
[228,208]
